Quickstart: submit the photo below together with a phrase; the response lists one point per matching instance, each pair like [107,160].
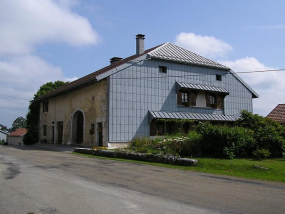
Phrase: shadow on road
[46,147]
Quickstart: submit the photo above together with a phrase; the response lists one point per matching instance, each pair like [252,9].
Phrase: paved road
[43,179]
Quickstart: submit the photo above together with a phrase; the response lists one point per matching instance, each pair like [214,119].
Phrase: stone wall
[64,109]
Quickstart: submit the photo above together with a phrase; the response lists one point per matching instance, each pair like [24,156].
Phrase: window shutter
[179,98]
[193,98]
[207,96]
[220,101]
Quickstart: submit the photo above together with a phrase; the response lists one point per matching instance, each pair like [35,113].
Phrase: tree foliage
[20,122]
[268,134]
[31,137]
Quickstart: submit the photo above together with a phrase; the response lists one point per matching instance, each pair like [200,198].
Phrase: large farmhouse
[111,106]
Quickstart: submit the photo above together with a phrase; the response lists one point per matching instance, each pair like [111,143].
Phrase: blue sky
[51,40]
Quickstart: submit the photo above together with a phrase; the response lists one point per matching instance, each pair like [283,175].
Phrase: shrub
[224,141]
[261,153]
[268,134]
[174,144]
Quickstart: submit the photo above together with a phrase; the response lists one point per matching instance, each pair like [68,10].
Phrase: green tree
[31,137]
[20,122]
[269,134]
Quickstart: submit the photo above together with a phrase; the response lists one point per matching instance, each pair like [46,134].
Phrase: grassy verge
[244,168]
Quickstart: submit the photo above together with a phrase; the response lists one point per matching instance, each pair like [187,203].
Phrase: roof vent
[140,44]
[115,59]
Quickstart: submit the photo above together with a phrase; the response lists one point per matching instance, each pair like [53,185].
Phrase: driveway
[51,180]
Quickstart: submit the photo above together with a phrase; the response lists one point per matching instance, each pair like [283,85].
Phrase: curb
[167,159]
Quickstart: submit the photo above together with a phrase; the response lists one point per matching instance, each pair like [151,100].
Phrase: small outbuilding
[278,114]
[16,138]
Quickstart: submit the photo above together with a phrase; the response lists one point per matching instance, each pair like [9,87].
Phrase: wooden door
[59,132]
[100,134]
[79,135]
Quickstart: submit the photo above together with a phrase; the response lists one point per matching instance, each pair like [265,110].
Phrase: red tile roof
[90,78]
[278,113]
[19,132]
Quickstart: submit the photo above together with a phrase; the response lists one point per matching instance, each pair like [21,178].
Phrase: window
[186,97]
[162,69]
[212,100]
[219,77]
[45,106]
[45,130]
[157,128]
[92,129]
[215,100]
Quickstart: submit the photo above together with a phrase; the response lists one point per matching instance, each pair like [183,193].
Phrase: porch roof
[202,87]
[190,116]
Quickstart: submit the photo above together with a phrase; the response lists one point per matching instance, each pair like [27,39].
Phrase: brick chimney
[115,59]
[140,44]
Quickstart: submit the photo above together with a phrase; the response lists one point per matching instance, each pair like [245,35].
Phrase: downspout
[108,109]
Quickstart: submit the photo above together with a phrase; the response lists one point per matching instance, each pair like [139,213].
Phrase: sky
[50,40]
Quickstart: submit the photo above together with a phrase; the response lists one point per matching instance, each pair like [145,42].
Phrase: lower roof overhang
[190,116]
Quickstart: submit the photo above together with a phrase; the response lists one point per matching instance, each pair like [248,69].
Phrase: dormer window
[162,69]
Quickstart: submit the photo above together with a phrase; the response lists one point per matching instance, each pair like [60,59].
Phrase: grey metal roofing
[254,94]
[202,87]
[166,51]
[173,52]
[190,116]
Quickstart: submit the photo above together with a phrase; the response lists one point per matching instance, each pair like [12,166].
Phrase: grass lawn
[244,168]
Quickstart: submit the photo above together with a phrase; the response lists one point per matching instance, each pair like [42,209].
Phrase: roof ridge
[92,76]
[186,57]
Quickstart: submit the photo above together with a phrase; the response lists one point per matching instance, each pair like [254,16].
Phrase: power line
[14,97]
[192,75]
[245,72]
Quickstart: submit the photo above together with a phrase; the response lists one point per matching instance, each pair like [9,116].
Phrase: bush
[268,134]
[261,153]
[174,144]
[224,141]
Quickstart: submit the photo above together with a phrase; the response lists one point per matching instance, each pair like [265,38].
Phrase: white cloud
[269,85]
[25,24]
[272,27]
[21,77]
[207,46]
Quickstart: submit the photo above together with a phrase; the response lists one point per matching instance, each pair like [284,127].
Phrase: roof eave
[47,96]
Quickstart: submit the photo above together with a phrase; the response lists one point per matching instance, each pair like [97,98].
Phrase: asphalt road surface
[38,180]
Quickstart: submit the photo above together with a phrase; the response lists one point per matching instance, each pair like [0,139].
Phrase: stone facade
[60,123]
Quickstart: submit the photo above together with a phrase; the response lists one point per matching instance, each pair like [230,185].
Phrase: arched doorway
[77,127]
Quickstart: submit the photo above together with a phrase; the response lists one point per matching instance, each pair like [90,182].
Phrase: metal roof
[173,52]
[202,87]
[190,116]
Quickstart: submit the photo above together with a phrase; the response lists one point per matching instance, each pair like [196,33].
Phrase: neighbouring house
[3,135]
[126,99]
[278,114]
[16,138]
